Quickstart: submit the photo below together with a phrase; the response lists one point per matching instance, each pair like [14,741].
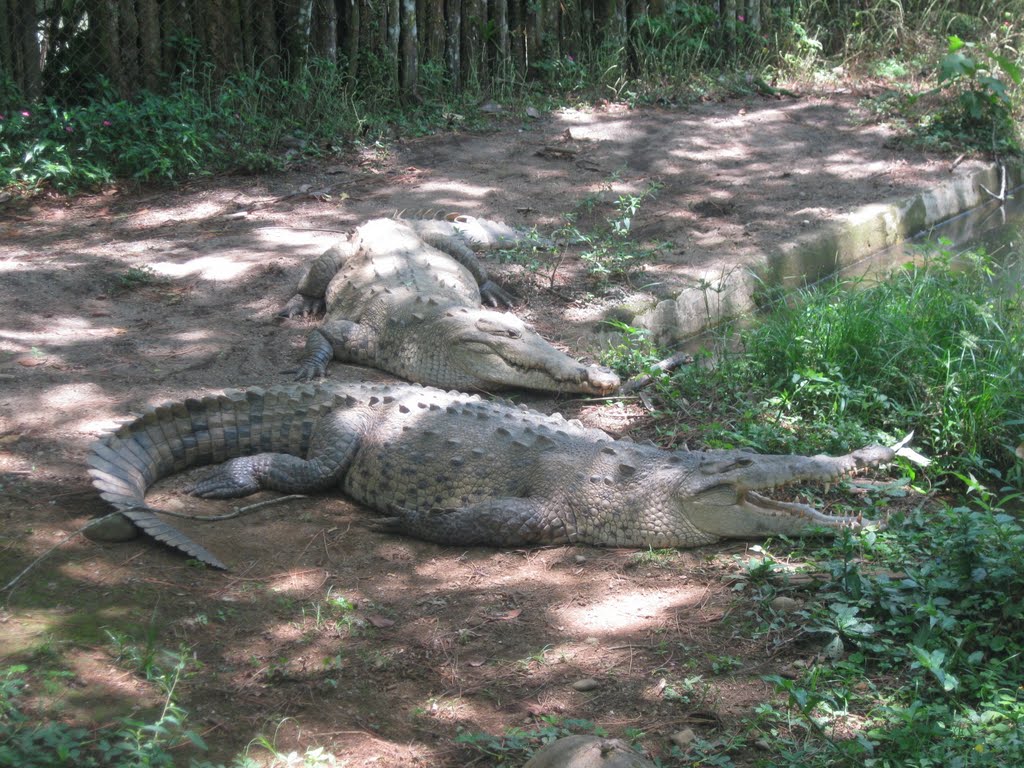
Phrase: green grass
[935,348]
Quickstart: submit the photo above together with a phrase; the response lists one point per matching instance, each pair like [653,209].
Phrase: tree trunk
[517,32]
[433,32]
[394,26]
[295,15]
[498,13]
[408,62]
[173,28]
[350,41]
[149,39]
[728,19]
[473,21]
[128,39]
[453,47]
[267,50]
[7,42]
[325,30]
[551,43]
[103,16]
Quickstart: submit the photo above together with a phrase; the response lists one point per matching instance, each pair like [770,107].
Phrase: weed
[689,691]
[28,739]
[658,558]
[134,278]
[634,353]
[944,635]
[723,664]
[612,253]
[974,105]
[517,744]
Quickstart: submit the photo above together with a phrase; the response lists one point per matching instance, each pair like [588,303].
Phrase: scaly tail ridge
[178,436]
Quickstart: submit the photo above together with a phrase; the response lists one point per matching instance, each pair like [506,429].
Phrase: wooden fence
[62,48]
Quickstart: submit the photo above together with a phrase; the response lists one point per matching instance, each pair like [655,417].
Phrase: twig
[669,364]
[95,521]
[233,514]
[1001,197]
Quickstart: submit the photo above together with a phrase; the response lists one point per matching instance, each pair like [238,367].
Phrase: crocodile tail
[177,436]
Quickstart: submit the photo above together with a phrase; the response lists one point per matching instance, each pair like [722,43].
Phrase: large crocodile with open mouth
[406,296]
[455,469]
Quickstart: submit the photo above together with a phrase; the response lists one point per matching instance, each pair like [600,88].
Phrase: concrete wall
[817,255]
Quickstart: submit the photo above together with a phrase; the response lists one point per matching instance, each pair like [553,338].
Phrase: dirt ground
[376,648]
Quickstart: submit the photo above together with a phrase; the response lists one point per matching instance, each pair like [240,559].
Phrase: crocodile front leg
[343,340]
[333,445]
[312,287]
[508,522]
[490,291]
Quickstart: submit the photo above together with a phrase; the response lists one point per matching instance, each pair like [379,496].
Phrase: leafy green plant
[518,744]
[633,353]
[28,739]
[934,349]
[974,105]
[942,640]
[612,253]
[983,103]
[134,278]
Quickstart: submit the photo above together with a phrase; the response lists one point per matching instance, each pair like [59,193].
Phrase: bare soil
[131,297]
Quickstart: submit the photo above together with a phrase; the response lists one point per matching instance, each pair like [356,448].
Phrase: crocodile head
[486,350]
[723,496]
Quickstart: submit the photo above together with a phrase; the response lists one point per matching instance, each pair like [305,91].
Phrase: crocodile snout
[602,381]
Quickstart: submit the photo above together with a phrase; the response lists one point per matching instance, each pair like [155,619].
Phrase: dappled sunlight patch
[62,398]
[30,629]
[627,611]
[215,268]
[299,583]
[458,191]
[68,328]
[196,211]
[102,690]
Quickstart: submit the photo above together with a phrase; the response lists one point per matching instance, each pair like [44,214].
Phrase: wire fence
[66,49]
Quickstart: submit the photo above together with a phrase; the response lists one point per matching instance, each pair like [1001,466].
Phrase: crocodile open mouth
[764,505]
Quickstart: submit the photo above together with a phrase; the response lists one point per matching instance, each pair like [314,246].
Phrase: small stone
[532,112]
[784,604]
[586,684]
[112,528]
[683,738]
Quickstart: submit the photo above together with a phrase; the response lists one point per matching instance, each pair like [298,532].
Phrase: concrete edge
[727,293]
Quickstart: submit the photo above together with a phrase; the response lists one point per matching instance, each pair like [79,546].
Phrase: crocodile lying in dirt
[455,469]
[405,296]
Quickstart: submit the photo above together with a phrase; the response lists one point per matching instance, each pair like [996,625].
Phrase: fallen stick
[665,366]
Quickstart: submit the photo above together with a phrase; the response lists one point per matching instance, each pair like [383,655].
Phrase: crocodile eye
[499,328]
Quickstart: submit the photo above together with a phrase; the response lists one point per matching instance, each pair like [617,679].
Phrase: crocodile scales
[455,469]
[405,296]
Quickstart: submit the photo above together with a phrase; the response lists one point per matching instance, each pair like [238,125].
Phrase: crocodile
[454,469]
[405,296]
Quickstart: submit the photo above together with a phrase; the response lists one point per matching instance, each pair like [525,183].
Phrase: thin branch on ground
[665,366]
